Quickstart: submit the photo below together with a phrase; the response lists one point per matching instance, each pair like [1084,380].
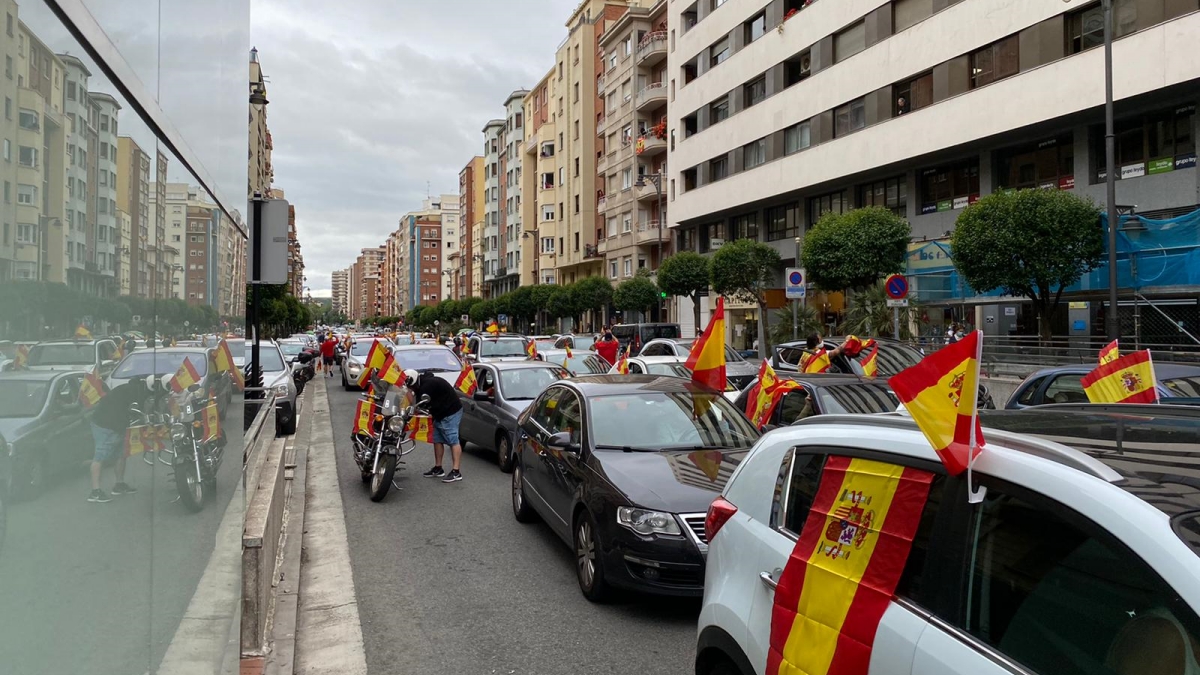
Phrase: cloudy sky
[373,102]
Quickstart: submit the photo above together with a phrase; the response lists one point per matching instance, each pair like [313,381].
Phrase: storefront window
[1046,164]
[890,194]
[783,222]
[1155,143]
[834,202]
[950,187]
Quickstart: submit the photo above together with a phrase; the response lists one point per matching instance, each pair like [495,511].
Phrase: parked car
[88,355]
[580,363]
[1081,555]
[485,349]
[544,342]
[1062,384]
[834,394]
[352,363]
[622,469]
[738,370]
[435,359]
[167,361]
[505,389]
[574,341]
[45,425]
[633,335]
[302,360]
[277,377]
[672,366]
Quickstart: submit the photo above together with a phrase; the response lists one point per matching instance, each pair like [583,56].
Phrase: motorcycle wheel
[190,486]
[381,480]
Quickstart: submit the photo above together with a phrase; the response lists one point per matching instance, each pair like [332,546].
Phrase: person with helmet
[447,412]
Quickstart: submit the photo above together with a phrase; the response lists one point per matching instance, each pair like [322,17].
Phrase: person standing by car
[607,346]
[328,347]
[447,412]
[110,420]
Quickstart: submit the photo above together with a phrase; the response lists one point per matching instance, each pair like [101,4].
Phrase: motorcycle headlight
[178,430]
[280,389]
[395,424]
[646,522]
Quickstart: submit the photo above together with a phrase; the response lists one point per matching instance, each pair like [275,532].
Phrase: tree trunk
[763,347]
[1045,330]
[696,312]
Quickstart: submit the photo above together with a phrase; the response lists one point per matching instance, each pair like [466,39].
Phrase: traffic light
[662,294]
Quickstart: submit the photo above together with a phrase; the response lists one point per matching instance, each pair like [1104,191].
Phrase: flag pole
[975,495]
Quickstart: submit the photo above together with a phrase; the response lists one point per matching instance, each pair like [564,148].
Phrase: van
[633,335]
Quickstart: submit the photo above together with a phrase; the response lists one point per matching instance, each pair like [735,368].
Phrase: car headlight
[280,389]
[647,522]
[354,364]
[395,424]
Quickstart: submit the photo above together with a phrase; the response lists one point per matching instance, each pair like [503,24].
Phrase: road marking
[328,632]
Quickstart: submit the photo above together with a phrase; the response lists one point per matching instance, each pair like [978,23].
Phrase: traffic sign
[794,288]
[902,302]
[896,286]
[503,319]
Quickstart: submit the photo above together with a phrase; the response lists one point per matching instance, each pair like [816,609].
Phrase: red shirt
[327,348]
[607,349]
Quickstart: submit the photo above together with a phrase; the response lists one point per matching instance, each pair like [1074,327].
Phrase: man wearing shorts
[447,413]
[327,351]
[110,419]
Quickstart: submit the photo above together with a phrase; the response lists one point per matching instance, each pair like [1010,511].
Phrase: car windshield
[62,354]
[677,370]
[502,348]
[437,358]
[158,363]
[523,384]
[661,420]
[362,347]
[584,364]
[240,350]
[269,357]
[22,398]
[583,341]
[1183,386]
[291,348]
[543,345]
[404,339]
[857,398]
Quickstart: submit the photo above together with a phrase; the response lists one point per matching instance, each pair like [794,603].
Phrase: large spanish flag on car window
[390,371]
[941,393]
[91,390]
[466,382]
[707,358]
[844,569]
[870,362]
[1128,379]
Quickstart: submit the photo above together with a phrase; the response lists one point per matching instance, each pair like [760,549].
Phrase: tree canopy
[852,250]
[685,274]
[638,294]
[744,270]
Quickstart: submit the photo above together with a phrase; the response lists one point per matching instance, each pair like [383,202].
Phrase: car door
[566,466]
[535,460]
[903,621]
[1026,395]
[486,416]
[67,433]
[1064,388]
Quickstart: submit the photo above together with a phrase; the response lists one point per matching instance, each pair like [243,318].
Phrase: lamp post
[656,180]
[1110,177]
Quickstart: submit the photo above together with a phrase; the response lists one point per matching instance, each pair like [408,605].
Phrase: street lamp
[656,180]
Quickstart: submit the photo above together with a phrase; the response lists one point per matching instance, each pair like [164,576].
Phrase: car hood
[515,408]
[13,428]
[60,366]
[677,481]
[501,359]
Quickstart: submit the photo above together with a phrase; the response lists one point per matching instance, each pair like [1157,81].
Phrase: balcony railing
[600,120]
[652,48]
[647,232]
[531,145]
[601,204]
[591,251]
[651,95]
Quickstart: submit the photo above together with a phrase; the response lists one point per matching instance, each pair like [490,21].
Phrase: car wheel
[522,511]
[589,569]
[33,482]
[345,382]
[724,667]
[504,456]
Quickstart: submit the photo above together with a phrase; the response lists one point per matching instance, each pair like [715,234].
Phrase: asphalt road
[100,588]
[448,582]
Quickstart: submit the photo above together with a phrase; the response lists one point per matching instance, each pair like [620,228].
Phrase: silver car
[166,361]
[738,370]
[435,359]
[277,378]
[352,364]
[505,389]
[487,349]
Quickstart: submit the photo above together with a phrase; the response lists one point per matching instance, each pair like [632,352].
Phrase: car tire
[504,456]
[522,511]
[289,427]
[589,568]
[345,382]
[724,667]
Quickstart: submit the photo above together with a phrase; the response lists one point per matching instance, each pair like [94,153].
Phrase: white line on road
[328,635]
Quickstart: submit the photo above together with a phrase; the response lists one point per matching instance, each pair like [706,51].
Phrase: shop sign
[960,203]
[971,199]
[1161,166]
[1187,161]
[928,208]
[1066,182]
[1133,170]
[945,205]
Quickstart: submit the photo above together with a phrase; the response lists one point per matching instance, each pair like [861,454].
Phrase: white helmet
[410,378]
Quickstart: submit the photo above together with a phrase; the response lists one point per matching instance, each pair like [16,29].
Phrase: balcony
[652,50]
[651,145]
[645,193]
[600,120]
[601,204]
[651,96]
[601,162]
[531,145]
[591,251]
[647,232]
[602,246]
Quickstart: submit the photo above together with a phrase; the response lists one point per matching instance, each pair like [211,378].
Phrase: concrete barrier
[264,483]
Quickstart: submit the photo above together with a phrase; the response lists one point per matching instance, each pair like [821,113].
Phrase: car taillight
[719,512]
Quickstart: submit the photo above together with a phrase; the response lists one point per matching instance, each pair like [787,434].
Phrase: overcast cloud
[372,100]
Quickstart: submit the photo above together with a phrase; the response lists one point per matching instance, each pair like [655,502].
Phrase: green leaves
[745,269]
[684,274]
[591,293]
[561,303]
[854,249]
[638,294]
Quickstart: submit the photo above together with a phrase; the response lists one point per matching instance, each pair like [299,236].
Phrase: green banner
[946,205]
[1160,166]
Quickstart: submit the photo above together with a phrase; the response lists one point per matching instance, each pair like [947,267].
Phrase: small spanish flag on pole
[1110,352]
[623,364]
[362,417]
[531,350]
[421,428]
[223,358]
[941,394]
[870,362]
[760,392]
[707,358]
[391,372]
[493,328]
[21,358]
[1128,379]
[185,377]
[466,382]
[212,420]
[91,390]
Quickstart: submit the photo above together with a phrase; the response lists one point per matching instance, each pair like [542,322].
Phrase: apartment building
[166,264]
[341,291]
[133,198]
[103,185]
[493,212]
[785,110]
[539,170]
[451,224]
[632,156]
[470,209]
[295,256]
[390,275]
[231,267]
[365,301]
[8,169]
[261,172]
[82,272]
[476,260]
[512,146]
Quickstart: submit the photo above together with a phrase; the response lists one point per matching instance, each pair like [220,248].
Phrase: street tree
[540,296]
[592,293]
[870,315]
[855,249]
[482,311]
[562,303]
[744,270]
[685,274]
[1031,243]
[638,294]
[521,307]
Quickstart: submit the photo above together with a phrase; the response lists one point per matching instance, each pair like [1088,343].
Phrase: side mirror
[292,360]
[562,440]
[481,396]
[194,388]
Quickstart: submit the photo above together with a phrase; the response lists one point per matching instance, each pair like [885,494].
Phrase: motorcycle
[198,454]
[378,453]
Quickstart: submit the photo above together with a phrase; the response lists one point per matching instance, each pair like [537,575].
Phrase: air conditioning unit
[806,65]
[715,244]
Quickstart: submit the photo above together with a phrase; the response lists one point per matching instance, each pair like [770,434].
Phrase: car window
[1066,388]
[499,348]
[660,420]
[23,398]
[1055,593]
[524,384]
[860,398]
[1184,386]
[662,330]
[545,408]
[583,341]
[1029,393]
[162,362]
[791,355]
[485,377]
[434,358]
[657,350]
[794,406]
[107,350]
[62,354]
[635,367]
[568,417]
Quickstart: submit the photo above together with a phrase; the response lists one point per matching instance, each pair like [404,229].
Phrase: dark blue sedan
[1061,384]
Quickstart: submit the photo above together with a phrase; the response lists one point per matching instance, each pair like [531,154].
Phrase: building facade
[540,169]
[511,153]
[493,213]
[261,173]
[104,188]
[470,209]
[784,112]
[366,298]
[133,198]
[341,292]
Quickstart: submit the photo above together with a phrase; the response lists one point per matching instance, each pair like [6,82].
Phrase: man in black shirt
[110,419]
[446,411]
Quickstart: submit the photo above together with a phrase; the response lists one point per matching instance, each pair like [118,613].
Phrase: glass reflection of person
[110,420]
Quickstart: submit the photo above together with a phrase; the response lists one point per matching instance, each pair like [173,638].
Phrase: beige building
[124,253]
[261,173]
[341,291]
[133,197]
[539,171]
[631,160]
[231,266]
[470,218]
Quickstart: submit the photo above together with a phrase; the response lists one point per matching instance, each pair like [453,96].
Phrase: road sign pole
[896,322]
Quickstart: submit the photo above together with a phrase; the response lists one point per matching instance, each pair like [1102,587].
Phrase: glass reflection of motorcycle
[198,448]
[378,452]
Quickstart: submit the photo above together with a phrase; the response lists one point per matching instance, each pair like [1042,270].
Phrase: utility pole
[1110,175]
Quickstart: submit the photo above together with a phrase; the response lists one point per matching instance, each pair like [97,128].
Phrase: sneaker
[99,497]
[123,489]
[453,477]
[434,472]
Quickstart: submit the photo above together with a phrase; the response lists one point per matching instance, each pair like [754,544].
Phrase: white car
[669,365]
[1082,557]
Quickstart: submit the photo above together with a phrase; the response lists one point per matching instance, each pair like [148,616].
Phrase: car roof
[68,342]
[828,379]
[175,350]
[1163,370]
[37,374]
[666,358]
[607,385]
[519,365]
[424,346]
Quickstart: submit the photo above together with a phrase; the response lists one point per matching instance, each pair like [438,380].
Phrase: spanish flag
[421,428]
[82,333]
[391,372]
[212,420]
[816,362]
[493,328]
[91,390]
[531,349]
[21,358]
[1110,352]
[623,364]
[362,417]
[185,377]
[1128,379]
[223,358]
[844,569]
[940,393]
[760,394]
[870,362]
[138,440]
[377,357]
[707,358]
[238,378]
[466,382]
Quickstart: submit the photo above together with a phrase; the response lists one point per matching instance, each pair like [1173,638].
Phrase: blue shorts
[445,430]
[108,443]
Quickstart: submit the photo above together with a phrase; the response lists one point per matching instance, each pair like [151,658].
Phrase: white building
[108,234]
[493,213]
